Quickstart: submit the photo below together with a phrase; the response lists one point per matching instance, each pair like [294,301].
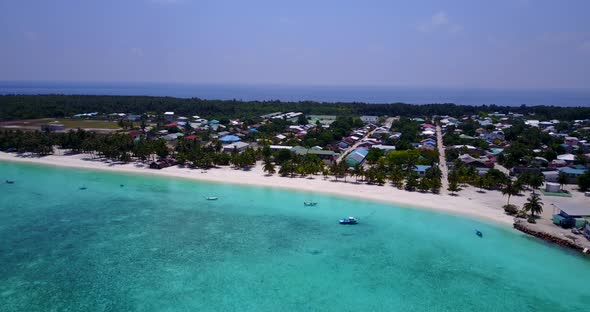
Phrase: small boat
[9,182]
[211,198]
[349,220]
[478,233]
[309,203]
[82,188]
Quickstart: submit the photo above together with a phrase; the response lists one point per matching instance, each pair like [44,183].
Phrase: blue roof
[253,130]
[568,170]
[214,121]
[229,138]
[362,151]
[357,156]
[421,168]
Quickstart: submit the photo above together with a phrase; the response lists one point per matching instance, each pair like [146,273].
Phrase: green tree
[584,181]
[424,184]
[453,183]
[533,205]
[358,171]
[269,167]
[374,155]
[536,180]
[561,179]
[511,188]
[302,120]
[412,181]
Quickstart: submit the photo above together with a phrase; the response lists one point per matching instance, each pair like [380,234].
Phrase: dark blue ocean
[411,95]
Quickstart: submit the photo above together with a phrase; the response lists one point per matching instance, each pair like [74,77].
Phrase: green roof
[300,150]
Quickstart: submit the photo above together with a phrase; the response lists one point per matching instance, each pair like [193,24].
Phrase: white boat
[349,220]
[211,198]
[309,203]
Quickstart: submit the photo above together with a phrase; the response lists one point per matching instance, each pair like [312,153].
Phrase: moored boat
[349,220]
[309,203]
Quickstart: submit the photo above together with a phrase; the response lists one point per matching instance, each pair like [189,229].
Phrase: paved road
[388,122]
[442,161]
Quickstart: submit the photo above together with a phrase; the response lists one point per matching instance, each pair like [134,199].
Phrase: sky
[515,44]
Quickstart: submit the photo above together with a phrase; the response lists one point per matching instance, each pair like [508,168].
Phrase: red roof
[173,124]
[191,137]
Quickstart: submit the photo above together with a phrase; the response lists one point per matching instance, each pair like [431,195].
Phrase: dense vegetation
[55,106]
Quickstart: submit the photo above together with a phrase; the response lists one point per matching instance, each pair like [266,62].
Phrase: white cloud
[439,21]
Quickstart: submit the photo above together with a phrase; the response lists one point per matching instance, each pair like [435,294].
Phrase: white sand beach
[469,202]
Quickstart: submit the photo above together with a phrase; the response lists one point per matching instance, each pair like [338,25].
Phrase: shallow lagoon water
[156,244]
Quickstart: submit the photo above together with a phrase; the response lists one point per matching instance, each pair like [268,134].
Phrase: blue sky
[423,43]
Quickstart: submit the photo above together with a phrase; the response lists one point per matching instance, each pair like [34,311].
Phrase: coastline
[481,206]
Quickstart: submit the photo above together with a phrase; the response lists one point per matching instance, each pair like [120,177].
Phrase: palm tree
[269,166]
[357,171]
[536,180]
[453,183]
[411,181]
[534,205]
[511,188]
[480,182]
[424,184]
[561,179]
[334,169]
[396,176]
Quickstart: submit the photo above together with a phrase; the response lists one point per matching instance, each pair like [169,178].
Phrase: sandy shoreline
[482,206]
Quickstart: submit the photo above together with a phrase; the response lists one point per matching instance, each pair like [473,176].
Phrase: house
[327,156]
[587,229]
[229,139]
[172,136]
[480,162]
[169,116]
[325,120]
[566,157]
[492,136]
[571,215]
[428,132]
[53,127]
[356,157]
[133,117]
[421,170]
[275,148]
[269,116]
[291,116]
[370,119]
[343,145]
[385,148]
[571,141]
[550,176]
[239,146]
[572,174]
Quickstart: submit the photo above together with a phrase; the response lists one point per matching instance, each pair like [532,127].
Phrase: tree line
[57,106]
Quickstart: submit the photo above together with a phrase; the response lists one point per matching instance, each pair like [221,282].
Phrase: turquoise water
[155,244]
